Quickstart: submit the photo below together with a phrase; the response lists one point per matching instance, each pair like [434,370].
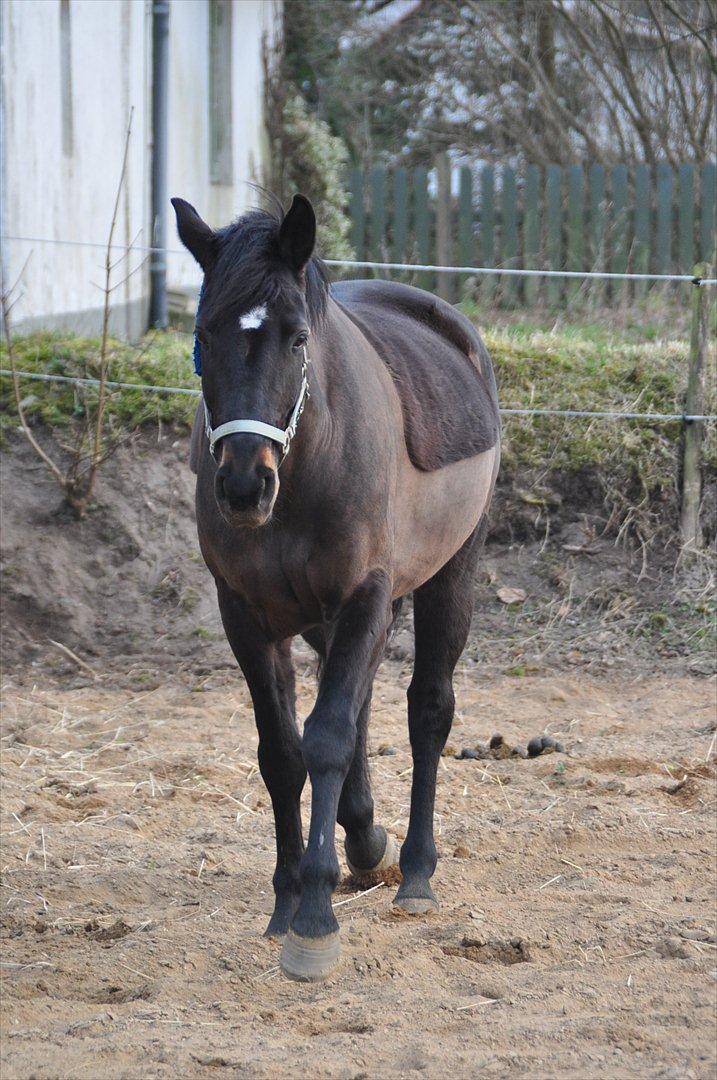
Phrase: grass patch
[162,359]
[588,367]
[571,370]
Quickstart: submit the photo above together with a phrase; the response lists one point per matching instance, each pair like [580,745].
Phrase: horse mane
[247,269]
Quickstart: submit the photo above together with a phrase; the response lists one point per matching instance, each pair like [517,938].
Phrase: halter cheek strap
[257,427]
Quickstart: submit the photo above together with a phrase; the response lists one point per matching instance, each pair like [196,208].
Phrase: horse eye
[300,340]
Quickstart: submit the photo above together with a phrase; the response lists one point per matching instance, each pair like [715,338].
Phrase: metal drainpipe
[158,311]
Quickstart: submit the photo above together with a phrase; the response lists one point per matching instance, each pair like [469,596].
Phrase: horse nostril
[243,491]
[221,477]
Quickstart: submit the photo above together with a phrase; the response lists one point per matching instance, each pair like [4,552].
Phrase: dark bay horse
[346,452]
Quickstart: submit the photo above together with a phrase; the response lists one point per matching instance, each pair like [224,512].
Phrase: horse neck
[317,433]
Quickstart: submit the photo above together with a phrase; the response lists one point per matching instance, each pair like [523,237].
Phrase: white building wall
[253,21]
[47,193]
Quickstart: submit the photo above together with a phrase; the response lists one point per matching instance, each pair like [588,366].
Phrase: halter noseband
[257,427]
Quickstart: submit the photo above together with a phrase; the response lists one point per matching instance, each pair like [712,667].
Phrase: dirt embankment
[127,585]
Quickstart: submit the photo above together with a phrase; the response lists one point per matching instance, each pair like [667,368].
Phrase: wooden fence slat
[690,528]
[709,209]
[377,223]
[531,231]
[487,229]
[641,260]
[422,225]
[400,217]
[686,227]
[657,220]
[553,230]
[576,247]
[509,232]
[446,282]
[598,228]
[466,245]
[619,228]
[663,226]
[358,214]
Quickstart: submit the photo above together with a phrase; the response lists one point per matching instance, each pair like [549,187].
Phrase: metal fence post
[690,531]
[158,308]
[443,223]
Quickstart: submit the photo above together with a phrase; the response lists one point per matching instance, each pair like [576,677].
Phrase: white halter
[258,427]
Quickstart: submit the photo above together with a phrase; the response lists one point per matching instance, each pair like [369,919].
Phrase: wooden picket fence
[619,218]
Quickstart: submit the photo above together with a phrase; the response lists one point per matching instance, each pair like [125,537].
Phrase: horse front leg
[269,673]
[312,946]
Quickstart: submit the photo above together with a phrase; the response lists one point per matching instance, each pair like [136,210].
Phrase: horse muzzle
[246,485]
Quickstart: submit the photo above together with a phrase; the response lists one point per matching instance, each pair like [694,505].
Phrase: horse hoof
[416,905]
[309,959]
[387,860]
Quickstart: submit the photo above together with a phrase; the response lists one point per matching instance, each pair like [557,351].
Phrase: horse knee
[328,743]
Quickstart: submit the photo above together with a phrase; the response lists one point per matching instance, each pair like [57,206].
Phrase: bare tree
[602,79]
[543,80]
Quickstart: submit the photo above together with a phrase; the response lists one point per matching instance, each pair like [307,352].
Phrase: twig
[477,1004]
[102,393]
[74,657]
[549,882]
[359,895]
[573,864]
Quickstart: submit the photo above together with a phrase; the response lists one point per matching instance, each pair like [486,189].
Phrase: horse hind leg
[370,850]
[442,615]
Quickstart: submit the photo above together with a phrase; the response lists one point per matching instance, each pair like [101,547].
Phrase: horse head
[262,293]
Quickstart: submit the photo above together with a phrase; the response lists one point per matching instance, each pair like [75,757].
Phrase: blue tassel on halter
[197,347]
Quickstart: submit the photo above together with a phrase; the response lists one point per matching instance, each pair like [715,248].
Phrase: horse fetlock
[372,854]
[419,857]
[320,870]
[314,916]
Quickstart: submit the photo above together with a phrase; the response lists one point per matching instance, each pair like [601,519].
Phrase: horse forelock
[248,274]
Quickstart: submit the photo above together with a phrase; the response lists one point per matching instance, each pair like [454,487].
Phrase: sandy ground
[576,936]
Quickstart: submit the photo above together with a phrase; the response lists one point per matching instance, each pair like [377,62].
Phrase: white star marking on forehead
[254,318]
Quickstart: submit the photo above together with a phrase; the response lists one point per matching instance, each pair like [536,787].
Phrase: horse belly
[436,512]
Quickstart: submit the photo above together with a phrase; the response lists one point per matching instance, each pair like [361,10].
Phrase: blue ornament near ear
[197,354]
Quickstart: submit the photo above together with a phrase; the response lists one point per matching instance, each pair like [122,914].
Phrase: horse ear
[297,234]
[197,237]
